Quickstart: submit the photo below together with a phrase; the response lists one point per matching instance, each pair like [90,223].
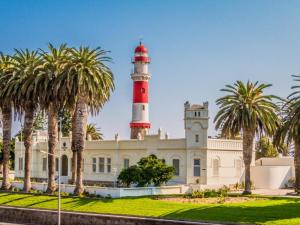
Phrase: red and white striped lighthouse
[140,105]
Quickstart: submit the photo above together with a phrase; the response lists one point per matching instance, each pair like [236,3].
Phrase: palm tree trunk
[74,157]
[248,138]
[297,165]
[52,146]
[28,127]
[80,133]
[7,120]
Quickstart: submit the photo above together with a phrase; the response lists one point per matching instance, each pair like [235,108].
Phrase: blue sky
[196,48]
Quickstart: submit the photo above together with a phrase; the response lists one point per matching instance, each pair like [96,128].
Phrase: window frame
[101,165]
[94,165]
[126,165]
[177,171]
[44,164]
[21,166]
[215,173]
[108,165]
[198,167]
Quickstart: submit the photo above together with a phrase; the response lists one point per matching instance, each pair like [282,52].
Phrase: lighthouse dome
[141,49]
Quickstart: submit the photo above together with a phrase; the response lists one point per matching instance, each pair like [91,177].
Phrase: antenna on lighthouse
[141,39]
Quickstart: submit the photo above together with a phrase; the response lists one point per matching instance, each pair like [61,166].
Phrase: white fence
[113,192]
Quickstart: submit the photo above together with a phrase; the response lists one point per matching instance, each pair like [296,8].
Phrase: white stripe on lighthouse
[140,112]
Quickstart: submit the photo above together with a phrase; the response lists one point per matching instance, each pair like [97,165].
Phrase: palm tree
[21,88]
[289,130]
[52,99]
[93,132]
[89,84]
[6,70]
[246,110]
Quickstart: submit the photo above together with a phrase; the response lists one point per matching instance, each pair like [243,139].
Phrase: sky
[196,48]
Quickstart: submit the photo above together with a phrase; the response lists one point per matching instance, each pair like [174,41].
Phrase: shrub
[197,194]
[149,170]
[210,193]
[108,196]
[291,182]
[15,189]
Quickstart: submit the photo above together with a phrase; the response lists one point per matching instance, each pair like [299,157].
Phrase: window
[20,164]
[56,164]
[94,164]
[108,165]
[215,166]
[197,138]
[44,164]
[126,163]
[143,90]
[143,107]
[101,165]
[176,166]
[199,114]
[238,167]
[195,114]
[197,168]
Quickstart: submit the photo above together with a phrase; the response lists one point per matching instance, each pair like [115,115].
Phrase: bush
[15,189]
[291,182]
[210,193]
[241,186]
[149,170]
[198,194]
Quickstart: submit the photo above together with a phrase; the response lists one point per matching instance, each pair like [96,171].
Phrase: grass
[270,210]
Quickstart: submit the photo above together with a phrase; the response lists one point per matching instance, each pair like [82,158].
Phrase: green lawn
[263,211]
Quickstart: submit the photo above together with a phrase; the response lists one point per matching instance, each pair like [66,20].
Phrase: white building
[196,158]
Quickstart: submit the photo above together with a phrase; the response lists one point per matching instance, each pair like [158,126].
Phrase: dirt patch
[210,200]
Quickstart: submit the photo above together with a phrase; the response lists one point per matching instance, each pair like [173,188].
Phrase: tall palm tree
[289,130]
[52,99]
[93,132]
[89,83]
[21,87]
[6,70]
[247,110]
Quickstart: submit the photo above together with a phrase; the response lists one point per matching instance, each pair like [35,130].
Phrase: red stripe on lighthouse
[140,92]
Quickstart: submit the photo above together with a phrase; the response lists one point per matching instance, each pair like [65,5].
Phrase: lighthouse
[140,106]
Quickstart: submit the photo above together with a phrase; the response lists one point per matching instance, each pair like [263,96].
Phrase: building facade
[196,157]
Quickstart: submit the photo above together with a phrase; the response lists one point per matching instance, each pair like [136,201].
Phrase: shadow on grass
[15,199]
[242,214]
[73,203]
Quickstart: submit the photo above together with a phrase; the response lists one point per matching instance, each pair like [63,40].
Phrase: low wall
[271,177]
[49,217]
[113,192]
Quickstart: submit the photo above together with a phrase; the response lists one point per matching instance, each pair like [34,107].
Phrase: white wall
[271,177]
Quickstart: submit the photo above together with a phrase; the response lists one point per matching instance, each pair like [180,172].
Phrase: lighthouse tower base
[136,130]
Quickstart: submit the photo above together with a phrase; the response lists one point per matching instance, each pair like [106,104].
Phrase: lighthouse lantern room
[140,106]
